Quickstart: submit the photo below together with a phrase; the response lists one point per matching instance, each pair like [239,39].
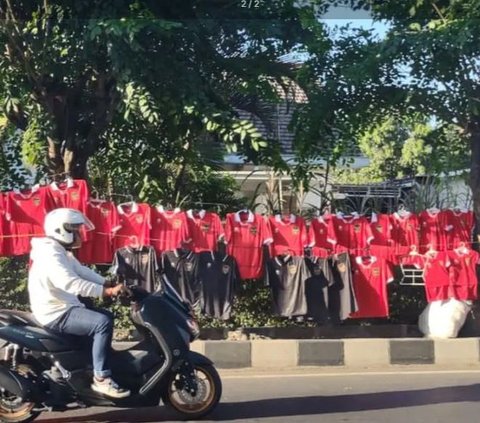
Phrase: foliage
[13,283]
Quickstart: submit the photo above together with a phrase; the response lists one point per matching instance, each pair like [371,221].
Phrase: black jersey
[220,277]
[286,277]
[316,288]
[137,266]
[342,300]
[181,269]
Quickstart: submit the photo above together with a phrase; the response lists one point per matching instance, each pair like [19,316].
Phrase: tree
[75,74]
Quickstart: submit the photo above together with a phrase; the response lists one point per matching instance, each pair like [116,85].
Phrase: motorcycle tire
[189,409]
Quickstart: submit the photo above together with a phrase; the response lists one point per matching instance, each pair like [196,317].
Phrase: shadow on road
[297,406]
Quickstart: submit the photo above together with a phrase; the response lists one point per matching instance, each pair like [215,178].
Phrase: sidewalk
[343,353]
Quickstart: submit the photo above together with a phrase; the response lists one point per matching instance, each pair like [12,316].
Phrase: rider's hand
[116,291]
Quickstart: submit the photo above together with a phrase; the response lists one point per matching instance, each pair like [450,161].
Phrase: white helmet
[64,225]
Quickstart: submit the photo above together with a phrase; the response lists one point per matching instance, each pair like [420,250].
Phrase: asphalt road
[383,397]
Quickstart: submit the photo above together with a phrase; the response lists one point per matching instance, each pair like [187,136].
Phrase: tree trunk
[55,162]
[474,132]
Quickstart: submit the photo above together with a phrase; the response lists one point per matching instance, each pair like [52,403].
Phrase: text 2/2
[250,4]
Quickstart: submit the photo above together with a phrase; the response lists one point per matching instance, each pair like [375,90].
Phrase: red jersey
[370,279]
[134,225]
[99,248]
[4,240]
[289,235]
[322,236]
[405,229]
[169,229]
[205,229]
[433,230]
[73,193]
[246,233]
[29,206]
[381,225]
[463,274]
[459,227]
[437,276]
[353,233]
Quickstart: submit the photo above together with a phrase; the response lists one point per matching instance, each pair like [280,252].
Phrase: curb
[359,353]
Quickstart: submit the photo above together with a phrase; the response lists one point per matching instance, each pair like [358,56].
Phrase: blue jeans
[87,322]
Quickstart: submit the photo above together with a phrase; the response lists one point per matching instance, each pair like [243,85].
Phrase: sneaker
[109,388]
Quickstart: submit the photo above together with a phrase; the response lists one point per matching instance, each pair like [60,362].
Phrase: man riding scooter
[55,280]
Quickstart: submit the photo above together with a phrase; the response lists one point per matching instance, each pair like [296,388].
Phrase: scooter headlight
[194,328]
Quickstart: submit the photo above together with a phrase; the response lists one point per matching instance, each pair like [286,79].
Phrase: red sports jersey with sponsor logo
[433,230]
[381,225]
[205,230]
[460,226]
[73,193]
[29,206]
[463,275]
[322,236]
[135,225]
[99,248]
[169,229]
[289,235]
[437,276]
[405,227]
[353,233]
[370,278]
[246,233]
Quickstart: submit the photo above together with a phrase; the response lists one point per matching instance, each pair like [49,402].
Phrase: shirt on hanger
[371,277]
[245,238]
[353,233]
[219,281]
[4,232]
[342,301]
[29,206]
[433,230]
[381,225]
[404,229]
[134,222]
[289,235]
[316,288]
[437,276]
[463,274]
[322,236]
[205,229]
[99,248]
[460,224]
[137,266]
[169,229]
[72,193]
[286,277]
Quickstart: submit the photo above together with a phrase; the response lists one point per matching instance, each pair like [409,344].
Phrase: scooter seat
[19,318]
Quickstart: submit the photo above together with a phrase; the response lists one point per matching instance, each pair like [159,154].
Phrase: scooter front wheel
[189,407]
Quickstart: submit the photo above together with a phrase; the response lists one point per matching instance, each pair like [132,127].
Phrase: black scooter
[42,371]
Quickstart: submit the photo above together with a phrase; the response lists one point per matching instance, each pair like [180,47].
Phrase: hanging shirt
[437,276]
[182,270]
[246,234]
[370,279]
[4,232]
[205,229]
[286,277]
[353,233]
[169,229]
[219,278]
[322,236]
[463,274]
[134,219]
[460,227]
[137,266]
[405,229]
[29,206]
[316,288]
[73,193]
[289,235]
[99,248]
[433,230]
[381,226]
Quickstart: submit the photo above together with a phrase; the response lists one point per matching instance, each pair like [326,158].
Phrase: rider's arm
[62,275]
[87,273]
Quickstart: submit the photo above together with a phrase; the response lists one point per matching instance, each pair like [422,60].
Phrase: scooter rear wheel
[189,407]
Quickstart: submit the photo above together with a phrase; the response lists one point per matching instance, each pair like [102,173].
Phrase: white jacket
[56,278]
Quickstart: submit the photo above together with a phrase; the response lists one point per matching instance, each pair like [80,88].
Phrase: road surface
[325,397]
